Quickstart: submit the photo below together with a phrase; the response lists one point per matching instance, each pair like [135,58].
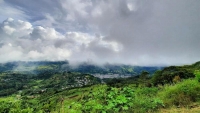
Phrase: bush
[197,75]
[145,100]
[176,79]
[167,75]
[123,99]
[181,94]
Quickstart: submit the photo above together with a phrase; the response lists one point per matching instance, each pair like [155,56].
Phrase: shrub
[197,75]
[145,100]
[123,99]
[176,79]
[167,75]
[181,94]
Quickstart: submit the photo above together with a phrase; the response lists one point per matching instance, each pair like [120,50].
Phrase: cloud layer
[22,41]
[120,31]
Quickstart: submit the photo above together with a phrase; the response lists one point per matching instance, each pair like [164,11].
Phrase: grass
[47,67]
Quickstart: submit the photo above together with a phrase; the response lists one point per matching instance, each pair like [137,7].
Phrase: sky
[136,32]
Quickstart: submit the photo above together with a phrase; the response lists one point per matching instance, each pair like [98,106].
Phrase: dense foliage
[172,74]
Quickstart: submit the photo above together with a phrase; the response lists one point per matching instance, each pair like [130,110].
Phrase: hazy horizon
[134,32]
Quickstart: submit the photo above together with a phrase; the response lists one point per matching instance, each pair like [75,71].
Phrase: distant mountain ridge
[61,66]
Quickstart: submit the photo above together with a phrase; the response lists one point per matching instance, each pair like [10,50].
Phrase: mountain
[61,66]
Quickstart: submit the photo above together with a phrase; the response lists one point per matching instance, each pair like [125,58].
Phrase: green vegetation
[88,68]
[171,74]
[102,98]
[197,75]
[50,89]
[181,94]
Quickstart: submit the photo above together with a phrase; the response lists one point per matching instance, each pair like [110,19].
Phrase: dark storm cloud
[140,32]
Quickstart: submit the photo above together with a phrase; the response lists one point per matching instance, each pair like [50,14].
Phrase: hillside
[84,67]
[48,88]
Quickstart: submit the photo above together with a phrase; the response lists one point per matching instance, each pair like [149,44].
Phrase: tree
[156,77]
[144,75]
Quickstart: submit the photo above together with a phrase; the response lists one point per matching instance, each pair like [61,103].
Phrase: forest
[58,87]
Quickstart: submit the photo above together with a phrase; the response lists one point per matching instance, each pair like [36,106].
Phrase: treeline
[168,75]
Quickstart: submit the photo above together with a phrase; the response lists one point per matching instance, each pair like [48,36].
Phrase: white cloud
[22,41]
[10,53]
[76,8]
[112,45]
[8,30]
[131,7]
[79,38]
[33,54]
[16,29]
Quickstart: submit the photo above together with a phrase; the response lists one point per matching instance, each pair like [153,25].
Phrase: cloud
[22,41]
[7,51]
[123,31]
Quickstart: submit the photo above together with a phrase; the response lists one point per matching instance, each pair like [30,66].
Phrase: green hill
[172,89]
